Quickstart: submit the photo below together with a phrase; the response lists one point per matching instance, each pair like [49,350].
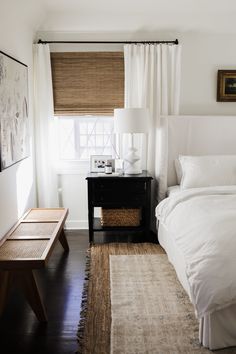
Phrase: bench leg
[63,241]
[4,288]
[27,282]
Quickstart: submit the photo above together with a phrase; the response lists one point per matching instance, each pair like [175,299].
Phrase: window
[80,137]
[87,86]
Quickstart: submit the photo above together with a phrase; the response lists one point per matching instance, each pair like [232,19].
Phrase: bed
[196,223]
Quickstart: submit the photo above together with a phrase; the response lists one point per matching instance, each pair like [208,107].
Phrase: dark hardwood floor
[61,285]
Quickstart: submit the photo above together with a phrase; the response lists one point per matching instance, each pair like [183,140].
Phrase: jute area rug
[150,312]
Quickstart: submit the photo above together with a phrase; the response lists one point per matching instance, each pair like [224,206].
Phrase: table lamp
[132,121]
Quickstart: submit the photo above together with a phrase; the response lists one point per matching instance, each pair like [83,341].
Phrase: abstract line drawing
[14,115]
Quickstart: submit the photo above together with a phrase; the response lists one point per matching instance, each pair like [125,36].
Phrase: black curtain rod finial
[41,42]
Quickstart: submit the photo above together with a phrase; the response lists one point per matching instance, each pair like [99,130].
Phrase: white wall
[202,55]
[73,195]
[17,187]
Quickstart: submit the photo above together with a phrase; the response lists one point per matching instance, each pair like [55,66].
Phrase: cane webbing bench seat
[28,246]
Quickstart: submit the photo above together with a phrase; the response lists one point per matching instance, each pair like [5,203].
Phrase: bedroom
[206,34]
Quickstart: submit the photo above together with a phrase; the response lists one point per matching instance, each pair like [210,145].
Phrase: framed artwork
[226,86]
[97,162]
[14,115]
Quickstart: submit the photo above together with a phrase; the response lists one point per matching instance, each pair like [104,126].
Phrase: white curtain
[152,80]
[46,177]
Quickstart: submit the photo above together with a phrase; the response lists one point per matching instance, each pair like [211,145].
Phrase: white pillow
[178,170]
[206,171]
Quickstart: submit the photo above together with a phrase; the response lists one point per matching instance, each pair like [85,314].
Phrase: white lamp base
[131,160]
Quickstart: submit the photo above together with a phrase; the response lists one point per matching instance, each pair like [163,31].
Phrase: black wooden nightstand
[125,191]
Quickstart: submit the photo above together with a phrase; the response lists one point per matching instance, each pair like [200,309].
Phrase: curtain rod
[176,42]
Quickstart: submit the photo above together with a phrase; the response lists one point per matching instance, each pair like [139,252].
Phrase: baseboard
[76,225]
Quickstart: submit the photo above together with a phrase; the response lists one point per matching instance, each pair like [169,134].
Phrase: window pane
[91,141]
[100,127]
[99,140]
[90,127]
[83,128]
[83,140]
[80,137]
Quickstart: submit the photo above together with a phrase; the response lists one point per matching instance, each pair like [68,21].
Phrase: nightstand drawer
[118,196]
[121,191]
[121,186]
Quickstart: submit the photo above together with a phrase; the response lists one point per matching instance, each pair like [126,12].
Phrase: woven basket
[120,217]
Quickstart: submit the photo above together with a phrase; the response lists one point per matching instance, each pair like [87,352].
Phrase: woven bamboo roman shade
[87,82]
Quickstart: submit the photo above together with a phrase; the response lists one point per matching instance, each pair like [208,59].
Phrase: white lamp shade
[131,120]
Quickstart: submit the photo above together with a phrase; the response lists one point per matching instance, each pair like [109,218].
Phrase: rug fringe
[84,304]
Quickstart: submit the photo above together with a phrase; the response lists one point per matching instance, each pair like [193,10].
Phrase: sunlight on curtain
[152,80]
[46,177]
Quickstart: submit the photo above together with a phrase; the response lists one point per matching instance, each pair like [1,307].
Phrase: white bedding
[173,189]
[203,223]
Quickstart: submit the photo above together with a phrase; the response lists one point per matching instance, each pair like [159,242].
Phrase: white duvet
[203,223]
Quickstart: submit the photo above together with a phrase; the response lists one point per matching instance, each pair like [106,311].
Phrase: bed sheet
[216,330]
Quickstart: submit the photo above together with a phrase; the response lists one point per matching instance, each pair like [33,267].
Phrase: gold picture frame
[226,86]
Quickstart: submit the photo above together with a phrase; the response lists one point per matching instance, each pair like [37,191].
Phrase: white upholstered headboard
[193,135]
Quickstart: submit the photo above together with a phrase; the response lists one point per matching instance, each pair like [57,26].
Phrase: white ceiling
[133,16]
[139,15]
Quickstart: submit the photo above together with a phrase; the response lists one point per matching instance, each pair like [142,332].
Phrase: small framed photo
[97,162]
[226,86]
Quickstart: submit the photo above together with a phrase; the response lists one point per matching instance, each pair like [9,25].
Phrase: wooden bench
[28,246]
